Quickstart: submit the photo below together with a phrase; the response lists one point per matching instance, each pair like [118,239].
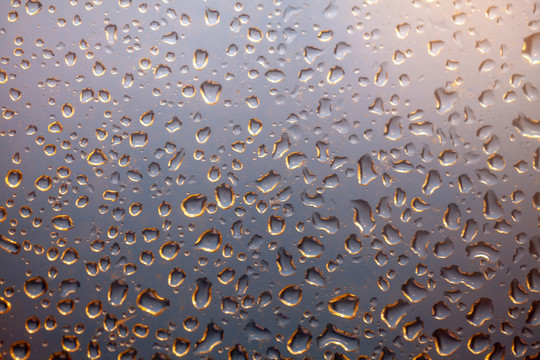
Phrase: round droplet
[13,178]
[43,183]
[20,350]
[67,110]
[274,75]
[62,222]
[35,287]
[291,295]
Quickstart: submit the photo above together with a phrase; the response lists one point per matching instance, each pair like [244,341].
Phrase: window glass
[269,180]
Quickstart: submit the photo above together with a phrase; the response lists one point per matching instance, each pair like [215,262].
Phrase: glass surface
[269,180]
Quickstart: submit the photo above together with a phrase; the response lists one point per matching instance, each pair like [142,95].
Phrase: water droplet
[291,295]
[117,292]
[181,347]
[202,295]
[274,75]
[33,7]
[35,287]
[209,241]
[446,342]
[210,91]
[299,341]
[531,48]
[310,246]
[213,336]
[334,336]
[62,222]
[194,205]
[13,178]
[20,350]
[96,158]
[344,306]
[150,302]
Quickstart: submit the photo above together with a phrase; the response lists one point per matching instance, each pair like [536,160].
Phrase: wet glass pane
[269,180]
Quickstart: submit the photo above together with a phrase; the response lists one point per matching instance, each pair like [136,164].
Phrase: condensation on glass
[270,180]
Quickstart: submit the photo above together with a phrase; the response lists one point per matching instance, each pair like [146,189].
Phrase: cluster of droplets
[262,181]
